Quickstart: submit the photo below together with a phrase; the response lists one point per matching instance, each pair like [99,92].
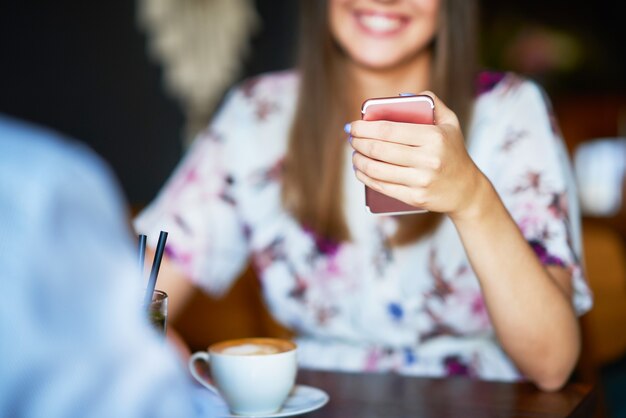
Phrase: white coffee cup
[253,375]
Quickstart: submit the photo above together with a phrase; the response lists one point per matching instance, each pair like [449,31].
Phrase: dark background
[81,67]
[598,26]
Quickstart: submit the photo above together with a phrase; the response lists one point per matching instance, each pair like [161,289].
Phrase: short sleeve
[531,170]
[207,239]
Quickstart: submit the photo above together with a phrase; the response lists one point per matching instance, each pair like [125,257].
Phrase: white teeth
[379,23]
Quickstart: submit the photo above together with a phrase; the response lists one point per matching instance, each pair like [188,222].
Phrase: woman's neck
[411,77]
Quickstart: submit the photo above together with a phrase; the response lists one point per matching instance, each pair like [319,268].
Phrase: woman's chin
[378,63]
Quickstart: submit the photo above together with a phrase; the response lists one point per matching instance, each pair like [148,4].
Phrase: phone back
[407,109]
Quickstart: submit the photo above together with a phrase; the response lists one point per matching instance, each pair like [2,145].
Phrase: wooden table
[363,395]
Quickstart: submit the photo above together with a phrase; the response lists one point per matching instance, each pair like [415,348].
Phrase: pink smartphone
[407,109]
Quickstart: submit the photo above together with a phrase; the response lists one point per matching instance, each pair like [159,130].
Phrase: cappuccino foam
[250,349]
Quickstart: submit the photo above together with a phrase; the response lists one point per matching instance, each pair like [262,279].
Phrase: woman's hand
[426,166]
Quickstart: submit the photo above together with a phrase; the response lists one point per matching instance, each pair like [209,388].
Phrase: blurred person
[487,284]
[74,340]
[600,168]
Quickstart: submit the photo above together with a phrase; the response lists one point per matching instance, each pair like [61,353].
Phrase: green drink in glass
[157,311]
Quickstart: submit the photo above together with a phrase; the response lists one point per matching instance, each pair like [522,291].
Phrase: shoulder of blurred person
[73,338]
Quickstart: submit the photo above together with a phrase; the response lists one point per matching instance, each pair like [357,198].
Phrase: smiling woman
[487,284]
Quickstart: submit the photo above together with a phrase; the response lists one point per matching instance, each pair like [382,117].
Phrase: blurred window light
[600,166]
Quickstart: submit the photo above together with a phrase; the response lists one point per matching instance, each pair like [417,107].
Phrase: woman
[487,284]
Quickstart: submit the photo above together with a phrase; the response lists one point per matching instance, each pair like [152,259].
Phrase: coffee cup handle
[201,356]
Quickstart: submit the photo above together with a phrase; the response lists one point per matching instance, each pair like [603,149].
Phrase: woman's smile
[379,24]
[383,35]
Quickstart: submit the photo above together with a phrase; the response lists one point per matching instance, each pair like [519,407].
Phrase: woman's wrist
[481,200]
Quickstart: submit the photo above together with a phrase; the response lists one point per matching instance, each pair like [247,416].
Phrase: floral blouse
[363,305]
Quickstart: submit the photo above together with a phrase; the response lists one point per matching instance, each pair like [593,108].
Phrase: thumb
[443,114]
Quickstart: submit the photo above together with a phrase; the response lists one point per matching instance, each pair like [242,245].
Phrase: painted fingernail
[350,139]
[407,94]
[347,128]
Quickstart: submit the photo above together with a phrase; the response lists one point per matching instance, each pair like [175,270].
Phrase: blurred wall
[80,67]
[571,47]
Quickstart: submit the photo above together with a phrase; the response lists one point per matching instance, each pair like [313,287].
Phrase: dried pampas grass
[201,45]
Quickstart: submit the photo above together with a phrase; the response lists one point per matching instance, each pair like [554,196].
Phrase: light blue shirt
[74,341]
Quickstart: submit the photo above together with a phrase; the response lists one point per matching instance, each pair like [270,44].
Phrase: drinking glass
[158,311]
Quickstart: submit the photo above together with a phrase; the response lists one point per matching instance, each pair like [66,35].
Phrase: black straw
[156,264]
[142,252]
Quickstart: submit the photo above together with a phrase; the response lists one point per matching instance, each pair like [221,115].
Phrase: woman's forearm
[530,308]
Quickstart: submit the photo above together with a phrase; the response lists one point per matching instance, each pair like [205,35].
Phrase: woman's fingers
[391,173]
[401,155]
[411,196]
[397,154]
[395,132]
[443,114]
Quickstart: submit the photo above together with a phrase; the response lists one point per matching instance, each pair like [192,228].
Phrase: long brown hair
[313,187]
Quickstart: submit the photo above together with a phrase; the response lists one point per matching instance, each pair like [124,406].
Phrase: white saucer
[301,400]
